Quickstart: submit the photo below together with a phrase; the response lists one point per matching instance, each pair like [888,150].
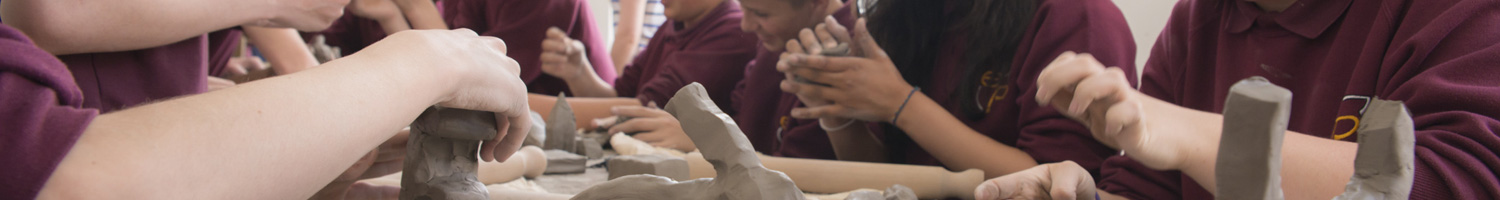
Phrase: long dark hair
[911,31]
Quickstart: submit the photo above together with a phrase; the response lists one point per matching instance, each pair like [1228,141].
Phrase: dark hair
[911,31]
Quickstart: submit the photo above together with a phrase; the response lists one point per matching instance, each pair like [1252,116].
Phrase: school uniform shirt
[117,80]
[1440,57]
[44,115]
[222,45]
[523,25]
[713,52]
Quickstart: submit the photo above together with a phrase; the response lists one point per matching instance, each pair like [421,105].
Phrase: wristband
[903,104]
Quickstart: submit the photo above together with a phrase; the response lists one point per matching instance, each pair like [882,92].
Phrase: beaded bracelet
[903,104]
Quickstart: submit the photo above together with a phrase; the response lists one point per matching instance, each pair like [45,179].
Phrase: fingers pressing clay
[1383,166]
[1255,119]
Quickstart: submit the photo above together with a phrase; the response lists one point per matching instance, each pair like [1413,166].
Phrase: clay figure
[561,129]
[671,167]
[1255,118]
[740,175]
[442,154]
[564,162]
[1383,166]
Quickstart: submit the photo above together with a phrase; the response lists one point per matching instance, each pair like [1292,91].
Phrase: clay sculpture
[832,176]
[740,175]
[561,131]
[1383,166]
[564,162]
[442,154]
[1255,118]
[528,162]
[655,164]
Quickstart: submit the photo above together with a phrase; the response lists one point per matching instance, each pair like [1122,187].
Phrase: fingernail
[986,191]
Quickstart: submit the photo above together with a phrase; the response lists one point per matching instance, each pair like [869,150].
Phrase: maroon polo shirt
[1011,115]
[221,47]
[1438,56]
[523,25]
[44,115]
[117,80]
[713,52]
[350,33]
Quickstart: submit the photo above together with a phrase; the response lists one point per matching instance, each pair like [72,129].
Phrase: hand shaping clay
[528,162]
[588,148]
[1255,117]
[538,131]
[1383,167]
[842,49]
[442,154]
[655,164]
[561,129]
[564,162]
[740,175]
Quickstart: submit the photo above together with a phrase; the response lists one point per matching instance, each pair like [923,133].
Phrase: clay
[899,192]
[442,154]
[833,176]
[564,162]
[1383,166]
[561,129]
[528,162]
[842,49]
[661,165]
[740,174]
[598,137]
[538,132]
[588,148]
[1255,118]
[864,195]
[321,51]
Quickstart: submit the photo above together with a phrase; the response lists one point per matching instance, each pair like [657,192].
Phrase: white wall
[1146,18]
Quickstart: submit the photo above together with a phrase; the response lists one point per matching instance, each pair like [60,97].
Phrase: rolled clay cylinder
[528,162]
[504,194]
[1255,117]
[564,162]
[1383,167]
[833,176]
[661,165]
[588,148]
[538,132]
[626,145]
[741,176]
[561,129]
[442,154]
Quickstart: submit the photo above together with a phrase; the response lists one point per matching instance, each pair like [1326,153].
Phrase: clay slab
[564,162]
[674,168]
[1383,166]
[1255,117]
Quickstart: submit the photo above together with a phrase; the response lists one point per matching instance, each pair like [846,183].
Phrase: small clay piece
[538,131]
[564,162]
[1255,118]
[655,164]
[1383,166]
[253,75]
[588,148]
[561,129]
[598,137]
[321,51]
[740,175]
[899,192]
[442,154]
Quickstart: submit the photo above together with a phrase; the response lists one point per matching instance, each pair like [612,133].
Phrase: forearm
[584,109]
[81,26]
[1312,167]
[855,141]
[422,14]
[164,150]
[282,47]
[590,85]
[623,50]
[394,24]
[956,145]
[627,32]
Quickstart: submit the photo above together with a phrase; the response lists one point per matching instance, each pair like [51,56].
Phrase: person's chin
[772,47]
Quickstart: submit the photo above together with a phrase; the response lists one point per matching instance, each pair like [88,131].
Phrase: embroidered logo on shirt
[1340,131]
[997,91]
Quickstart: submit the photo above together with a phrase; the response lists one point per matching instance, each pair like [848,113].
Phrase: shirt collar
[1308,18]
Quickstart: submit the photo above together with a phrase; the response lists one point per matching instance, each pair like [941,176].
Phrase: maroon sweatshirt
[117,80]
[713,52]
[1438,56]
[523,25]
[44,115]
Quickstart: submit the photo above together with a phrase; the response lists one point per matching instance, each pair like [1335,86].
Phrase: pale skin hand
[628,33]
[65,27]
[198,136]
[656,127]
[1164,136]
[852,142]
[566,59]
[386,12]
[868,87]
[1063,180]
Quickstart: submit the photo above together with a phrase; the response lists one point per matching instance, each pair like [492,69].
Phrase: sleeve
[43,115]
[627,84]
[584,30]
[716,61]
[1446,77]
[1087,26]
[1123,176]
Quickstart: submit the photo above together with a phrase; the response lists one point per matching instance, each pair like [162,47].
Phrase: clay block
[538,132]
[740,174]
[1383,167]
[561,129]
[457,123]
[564,162]
[1255,119]
[675,168]
[899,192]
[442,154]
[598,138]
[588,148]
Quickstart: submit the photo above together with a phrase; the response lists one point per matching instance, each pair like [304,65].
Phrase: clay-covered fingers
[1063,180]
[835,32]
[1070,181]
[813,112]
[809,41]
[793,47]
[863,44]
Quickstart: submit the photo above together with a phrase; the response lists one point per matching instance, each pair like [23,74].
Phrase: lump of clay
[588,148]
[564,162]
[442,154]
[561,129]
[538,132]
[1383,167]
[1255,118]
[740,174]
[675,168]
